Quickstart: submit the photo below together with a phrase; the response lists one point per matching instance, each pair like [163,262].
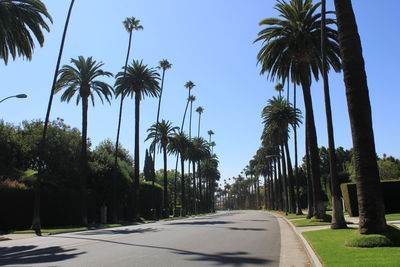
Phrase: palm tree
[162,134]
[292,49]
[36,210]
[199,110]
[81,79]
[210,132]
[18,21]
[369,194]
[279,88]
[138,81]
[179,145]
[202,152]
[164,65]
[130,24]
[189,85]
[279,115]
[338,221]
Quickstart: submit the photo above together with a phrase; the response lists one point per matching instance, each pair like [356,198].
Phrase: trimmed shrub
[390,238]
[391,197]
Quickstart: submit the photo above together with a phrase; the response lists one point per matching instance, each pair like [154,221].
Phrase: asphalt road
[236,238]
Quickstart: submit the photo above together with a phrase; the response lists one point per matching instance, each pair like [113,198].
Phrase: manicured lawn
[308,222]
[329,245]
[289,216]
[393,217]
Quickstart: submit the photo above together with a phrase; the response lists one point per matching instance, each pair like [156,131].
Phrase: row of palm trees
[297,47]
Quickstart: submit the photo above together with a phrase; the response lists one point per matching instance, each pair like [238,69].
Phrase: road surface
[233,238]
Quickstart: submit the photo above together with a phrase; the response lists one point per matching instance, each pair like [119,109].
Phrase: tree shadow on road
[120,231]
[31,254]
[247,229]
[222,258]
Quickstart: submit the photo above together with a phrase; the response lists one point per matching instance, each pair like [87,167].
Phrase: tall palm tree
[162,134]
[188,85]
[36,210]
[279,88]
[138,81]
[80,78]
[191,99]
[369,194]
[279,115]
[199,110]
[210,133]
[163,65]
[202,152]
[338,221]
[292,49]
[130,24]
[179,145]
[19,20]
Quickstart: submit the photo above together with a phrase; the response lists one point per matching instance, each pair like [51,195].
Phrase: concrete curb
[315,261]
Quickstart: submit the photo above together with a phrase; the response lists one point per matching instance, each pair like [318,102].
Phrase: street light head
[21,96]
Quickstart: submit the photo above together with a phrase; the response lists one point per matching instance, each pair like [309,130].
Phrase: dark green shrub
[391,197]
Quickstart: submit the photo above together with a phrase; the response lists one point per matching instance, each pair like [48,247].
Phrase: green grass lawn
[289,216]
[393,217]
[329,245]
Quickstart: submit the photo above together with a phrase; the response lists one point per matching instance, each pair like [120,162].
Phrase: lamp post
[17,96]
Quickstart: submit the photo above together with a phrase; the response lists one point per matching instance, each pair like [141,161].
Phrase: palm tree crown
[189,85]
[139,79]
[161,133]
[131,24]
[164,65]
[82,78]
[200,110]
[19,19]
[292,44]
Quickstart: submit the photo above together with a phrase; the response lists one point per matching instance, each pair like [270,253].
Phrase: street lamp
[17,96]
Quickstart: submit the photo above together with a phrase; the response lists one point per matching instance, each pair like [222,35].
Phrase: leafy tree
[138,81]
[148,168]
[81,79]
[19,20]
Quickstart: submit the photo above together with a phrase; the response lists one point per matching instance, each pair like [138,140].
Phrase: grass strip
[330,247]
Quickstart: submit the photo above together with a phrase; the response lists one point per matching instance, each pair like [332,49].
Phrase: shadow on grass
[31,254]
[222,258]
[119,231]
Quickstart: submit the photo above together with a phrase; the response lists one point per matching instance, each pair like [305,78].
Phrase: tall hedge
[61,208]
[391,197]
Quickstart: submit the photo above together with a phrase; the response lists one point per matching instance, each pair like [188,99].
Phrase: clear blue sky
[211,43]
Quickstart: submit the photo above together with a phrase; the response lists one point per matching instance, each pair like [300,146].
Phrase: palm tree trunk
[36,225]
[293,201]
[84,218]
[198,129]
[194,188]
[266,202]
[338,221]
[166,211]
[310,200]
[158,117]
[136,159]
[200,186]
[319,208]
[296,173]
[369,193]
[285,180]
[114,197]
[183,197]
